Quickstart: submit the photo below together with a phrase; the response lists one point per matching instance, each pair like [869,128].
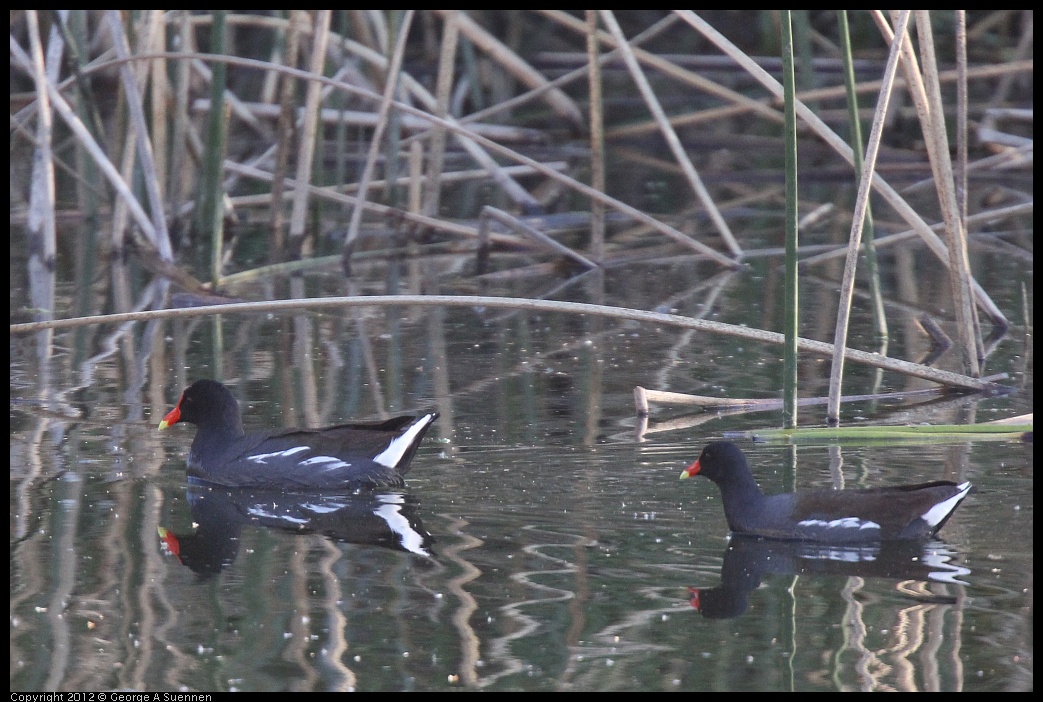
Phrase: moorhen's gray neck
[725,464]
[742,498]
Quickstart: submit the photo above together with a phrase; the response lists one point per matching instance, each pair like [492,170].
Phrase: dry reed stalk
[644,396]
[356,118]
[820,348]
[238,109]
[443,90]
[418,92]
[414,179]
[597,139]
[687,77]
[479,142]
[381,210]
[1006,71]
[981,217]
[41,218]
[140,149]
[478,149]
[558,101]
[160,99]
[569,77]
[961,115]
[309,131]
[394,69]
[511,222]
[897,202]
[1022,54]
[672,140]
[89,145]
[933,124]
[451,177]
[181,176]
[858,219]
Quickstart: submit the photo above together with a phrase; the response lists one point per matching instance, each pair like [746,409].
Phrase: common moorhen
[835,516]
[367,454]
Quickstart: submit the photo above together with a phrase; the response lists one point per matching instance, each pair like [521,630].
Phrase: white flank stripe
[845,523]
[263,457]
[263,513]
[332,463]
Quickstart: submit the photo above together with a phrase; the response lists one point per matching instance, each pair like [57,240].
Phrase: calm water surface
[539,545]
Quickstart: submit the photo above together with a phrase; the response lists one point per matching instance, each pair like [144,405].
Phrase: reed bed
[164,128]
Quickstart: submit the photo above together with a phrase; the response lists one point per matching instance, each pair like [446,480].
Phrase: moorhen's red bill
[835,516]
[366,454]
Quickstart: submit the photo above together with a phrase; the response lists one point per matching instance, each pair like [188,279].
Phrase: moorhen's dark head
[206,403]
[721,462]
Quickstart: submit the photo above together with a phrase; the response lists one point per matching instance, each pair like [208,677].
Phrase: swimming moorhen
[835,516]
[367,454]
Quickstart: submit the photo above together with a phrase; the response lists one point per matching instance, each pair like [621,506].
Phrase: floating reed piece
[926,433]
[943,377]
[643,399]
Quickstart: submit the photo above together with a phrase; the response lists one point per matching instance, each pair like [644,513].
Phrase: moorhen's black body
[835,516]
[345,456]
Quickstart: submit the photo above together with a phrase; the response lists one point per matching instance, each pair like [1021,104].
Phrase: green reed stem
[858,147]
[789,377]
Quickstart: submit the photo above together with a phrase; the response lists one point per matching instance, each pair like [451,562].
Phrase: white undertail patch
[937,514]
[391,456]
